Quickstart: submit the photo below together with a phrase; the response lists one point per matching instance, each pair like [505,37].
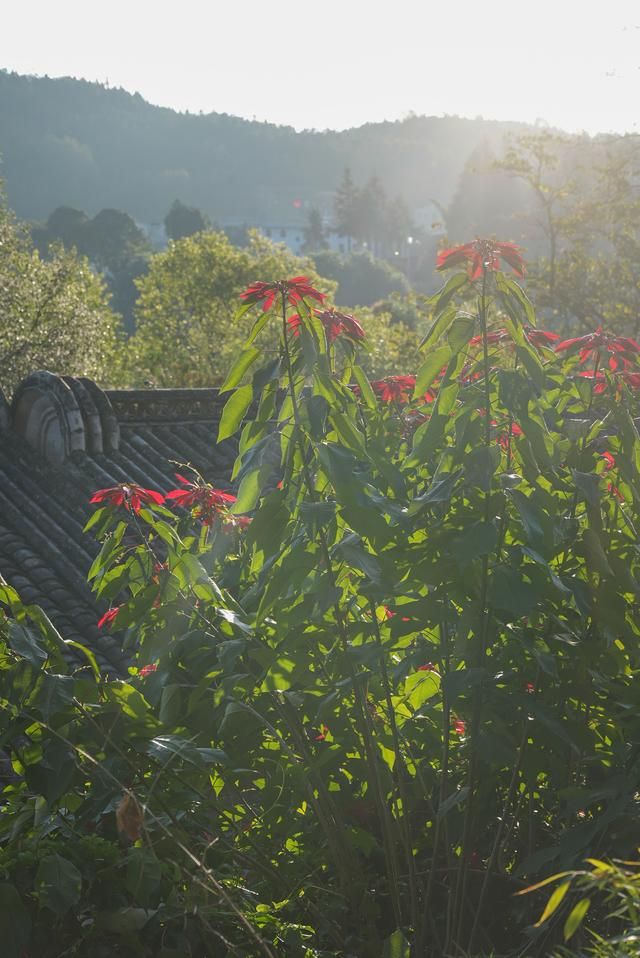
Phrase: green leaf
[531,362]
[460,332]
[143,876]
[480,466]
[554,903]
[430,369]
[440,326]
[25,643]
[576,917]
[109,549]
[419,687]
[357,556]
[168,748]
[257,327]
[533,518]
[478,540]
[234,411]
[507,285]
[349,435]
[589,485]
[365,387]
[443,297]
[396,946]
[248,493]
[55,694]
[594,553]
[245,360]
[509,591]
[58,884]
[15,923]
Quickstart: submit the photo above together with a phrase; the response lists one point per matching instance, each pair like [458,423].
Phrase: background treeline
[68,142]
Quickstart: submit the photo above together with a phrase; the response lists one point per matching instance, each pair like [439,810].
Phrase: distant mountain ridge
[72,142]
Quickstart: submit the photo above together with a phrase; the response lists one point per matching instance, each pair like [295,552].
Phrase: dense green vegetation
[390,684]
[54,312]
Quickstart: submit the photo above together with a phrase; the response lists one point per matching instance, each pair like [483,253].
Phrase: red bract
[459,726]
[147,670]
[109,617]
[610,463]
[335,324]
[128,495]
[529,687]
[540,337]
[205,501]
[507,434]
[599,378]
[394,388]
[322,733]
[493,338]
[236,522]
[427,667]
[622,349]
[482,254]
[294,289]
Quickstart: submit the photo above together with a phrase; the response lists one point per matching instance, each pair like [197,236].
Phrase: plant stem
[360,700]
[481,644]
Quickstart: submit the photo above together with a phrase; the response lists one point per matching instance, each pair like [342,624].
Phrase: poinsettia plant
[390,679]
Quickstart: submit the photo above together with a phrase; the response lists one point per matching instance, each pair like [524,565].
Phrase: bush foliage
[390,683]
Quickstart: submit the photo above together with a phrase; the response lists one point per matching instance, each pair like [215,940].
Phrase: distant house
[430,218]
[294,237]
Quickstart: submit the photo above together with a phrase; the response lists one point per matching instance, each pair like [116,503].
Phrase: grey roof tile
[49,467]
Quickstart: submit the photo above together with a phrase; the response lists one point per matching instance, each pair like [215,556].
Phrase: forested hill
[70,142]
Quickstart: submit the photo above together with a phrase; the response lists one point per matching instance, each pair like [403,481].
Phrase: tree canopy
[54,313]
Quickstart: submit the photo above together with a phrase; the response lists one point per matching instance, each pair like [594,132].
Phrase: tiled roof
[60,440]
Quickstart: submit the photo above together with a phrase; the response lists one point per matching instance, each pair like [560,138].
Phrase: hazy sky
[340,63]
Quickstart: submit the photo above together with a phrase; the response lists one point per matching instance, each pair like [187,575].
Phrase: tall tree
[346,208]
[182,220]
[314,232]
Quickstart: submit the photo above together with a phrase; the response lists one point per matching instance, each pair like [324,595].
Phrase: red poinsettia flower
[335,323]
[147,670]
[540,337]
[482,254]
[622,350]
[128,495]
[394,388]
[610,463]
[205,502]
[109,617]
[507,434]
[294,289]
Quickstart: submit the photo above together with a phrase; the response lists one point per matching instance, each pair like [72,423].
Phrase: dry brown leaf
[129,817]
